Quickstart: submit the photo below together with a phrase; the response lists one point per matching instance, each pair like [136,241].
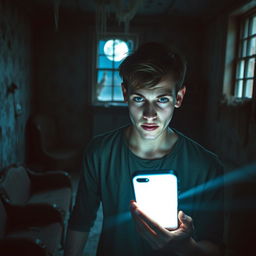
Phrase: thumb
[186,222]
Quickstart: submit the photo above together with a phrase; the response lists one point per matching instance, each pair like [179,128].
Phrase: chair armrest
[33,214]
[48,180]
[22,246]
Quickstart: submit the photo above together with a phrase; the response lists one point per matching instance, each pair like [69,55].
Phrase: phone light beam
[240,174]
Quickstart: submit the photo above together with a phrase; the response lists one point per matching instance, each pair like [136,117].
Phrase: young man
[153,87]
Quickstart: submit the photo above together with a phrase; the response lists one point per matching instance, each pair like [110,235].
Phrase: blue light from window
[111,53]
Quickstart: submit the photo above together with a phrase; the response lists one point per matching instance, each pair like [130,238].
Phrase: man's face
[151,109]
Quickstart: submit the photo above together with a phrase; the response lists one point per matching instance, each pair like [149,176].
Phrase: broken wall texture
[15,82]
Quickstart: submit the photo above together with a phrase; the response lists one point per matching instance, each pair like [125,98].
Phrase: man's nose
[149,112]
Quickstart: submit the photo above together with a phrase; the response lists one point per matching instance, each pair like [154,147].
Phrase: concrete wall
[15,70]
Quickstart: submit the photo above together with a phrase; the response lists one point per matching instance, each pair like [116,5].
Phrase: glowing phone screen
[156,194]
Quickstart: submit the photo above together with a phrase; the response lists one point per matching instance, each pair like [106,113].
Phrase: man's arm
[75,243]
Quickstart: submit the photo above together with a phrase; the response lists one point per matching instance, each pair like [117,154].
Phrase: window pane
[117,63]
[101,82]
[244,52]
[116,49]
[117,79]
[239,89]
[104,62]
[254,25]
[245,69]
[101,47]
[124,54]
[250,68]
[105,78]
[110,54]
[118,95]
[245,30]
[249,88]
[252,50]
[101,77]
[106,94]
[240,71]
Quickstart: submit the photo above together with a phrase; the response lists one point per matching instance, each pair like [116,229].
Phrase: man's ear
[125,93]
[180,96]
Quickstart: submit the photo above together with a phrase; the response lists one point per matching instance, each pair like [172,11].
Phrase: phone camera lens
[143,180]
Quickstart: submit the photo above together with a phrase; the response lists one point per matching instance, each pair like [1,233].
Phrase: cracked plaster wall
[14,70]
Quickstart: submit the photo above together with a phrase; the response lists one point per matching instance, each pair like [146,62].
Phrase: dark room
[127,127]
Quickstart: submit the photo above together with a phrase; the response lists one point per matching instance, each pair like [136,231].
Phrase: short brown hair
[149,64]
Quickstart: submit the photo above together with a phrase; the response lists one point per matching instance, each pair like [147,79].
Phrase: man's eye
[163,100]
[138,99]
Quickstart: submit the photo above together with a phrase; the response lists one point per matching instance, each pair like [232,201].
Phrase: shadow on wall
[236,133]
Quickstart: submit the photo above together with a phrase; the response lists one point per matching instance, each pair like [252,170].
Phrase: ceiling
[190,8]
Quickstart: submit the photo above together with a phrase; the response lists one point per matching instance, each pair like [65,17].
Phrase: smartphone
[156,193]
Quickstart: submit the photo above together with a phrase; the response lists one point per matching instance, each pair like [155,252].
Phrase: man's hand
[178,241]
[161,238]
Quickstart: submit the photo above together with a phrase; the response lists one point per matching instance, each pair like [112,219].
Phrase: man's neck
[151,149]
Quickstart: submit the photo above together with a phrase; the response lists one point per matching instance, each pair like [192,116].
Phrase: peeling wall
[15,68]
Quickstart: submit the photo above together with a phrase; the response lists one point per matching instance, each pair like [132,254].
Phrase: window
[111,50]
[245,66]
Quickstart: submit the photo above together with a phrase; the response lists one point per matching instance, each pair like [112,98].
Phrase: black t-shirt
[107,177]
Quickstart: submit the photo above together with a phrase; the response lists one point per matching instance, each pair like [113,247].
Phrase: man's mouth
[149,127]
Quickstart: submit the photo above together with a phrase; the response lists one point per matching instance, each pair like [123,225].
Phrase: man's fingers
[157,236]
[147,228]
[186,222]
[142,226]
[145,231]
[185,219]
[151,223]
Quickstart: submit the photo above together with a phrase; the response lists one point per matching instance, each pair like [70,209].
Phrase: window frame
[107,36]
[242,42]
